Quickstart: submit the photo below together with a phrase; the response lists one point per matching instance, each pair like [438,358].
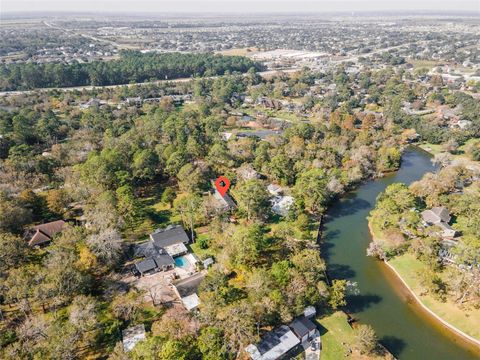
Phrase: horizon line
[235,12]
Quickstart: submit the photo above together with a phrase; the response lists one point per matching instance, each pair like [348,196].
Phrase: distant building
[90,103]
[42,234]
[274,345]
[445,252]
[208,262]
[132,335]
[461,124]
[190,302]
[226,135]
[155,258]
[436,215]
[247,172]
[260,134]
[224,202]
[134,101]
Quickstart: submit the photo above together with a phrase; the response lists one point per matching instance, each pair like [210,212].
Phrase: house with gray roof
[436,215]
[160,261]
[158,253]
[303,328]
[224,202]
[173,239]
[171,235]
[439,216]
[274,345]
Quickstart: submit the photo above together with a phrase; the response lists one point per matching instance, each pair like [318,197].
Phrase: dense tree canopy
[133,66]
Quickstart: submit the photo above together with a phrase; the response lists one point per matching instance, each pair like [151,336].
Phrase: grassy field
[239,51]
[338,337]
[418,64]
[154,214]
[195,247]
[438,148]
[465,320]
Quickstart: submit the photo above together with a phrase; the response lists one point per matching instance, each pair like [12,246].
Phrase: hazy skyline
[246,6]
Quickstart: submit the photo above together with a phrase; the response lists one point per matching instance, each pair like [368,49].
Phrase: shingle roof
[301,326]
[45,232]
[436,215]
[163,260]
[146,249]
[225,201]
[170,236]
[274,345]
[442,212]
[146,265]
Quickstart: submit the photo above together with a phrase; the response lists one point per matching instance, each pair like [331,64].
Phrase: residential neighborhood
[251,180]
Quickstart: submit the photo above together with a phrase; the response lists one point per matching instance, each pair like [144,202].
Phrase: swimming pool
[183,262]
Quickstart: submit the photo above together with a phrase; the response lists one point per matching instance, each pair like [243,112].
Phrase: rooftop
[273,345]
[436,215]
[44,232]
[174,234]
[301,326]
[281,205]
[191,301]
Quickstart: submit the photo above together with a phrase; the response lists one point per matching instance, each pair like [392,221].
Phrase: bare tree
[106,245]
[83,313]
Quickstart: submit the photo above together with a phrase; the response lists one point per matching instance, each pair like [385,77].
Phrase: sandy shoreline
[459,333]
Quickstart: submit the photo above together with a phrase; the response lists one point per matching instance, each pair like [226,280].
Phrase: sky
[237,6]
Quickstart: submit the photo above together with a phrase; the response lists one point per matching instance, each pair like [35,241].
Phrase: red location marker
[222,184]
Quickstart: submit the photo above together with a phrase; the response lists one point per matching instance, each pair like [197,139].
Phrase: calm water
[182,262]
[402,327]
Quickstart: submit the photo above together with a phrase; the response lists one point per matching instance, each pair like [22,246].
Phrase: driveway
[309,353]
[157,287]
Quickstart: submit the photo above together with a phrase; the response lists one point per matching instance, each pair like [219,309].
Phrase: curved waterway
[401,325]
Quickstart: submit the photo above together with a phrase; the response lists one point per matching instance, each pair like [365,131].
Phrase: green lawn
[418,64]
[281,114]
[466,320]
[336,334]
[153,214]
[438,148]
[338,337]
[201,253]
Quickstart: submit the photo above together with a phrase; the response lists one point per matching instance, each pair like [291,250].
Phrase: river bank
[468,340]
[380,299]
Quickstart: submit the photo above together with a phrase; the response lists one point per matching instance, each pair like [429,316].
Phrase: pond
[401,325]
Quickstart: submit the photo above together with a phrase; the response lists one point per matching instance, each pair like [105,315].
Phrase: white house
[274,345]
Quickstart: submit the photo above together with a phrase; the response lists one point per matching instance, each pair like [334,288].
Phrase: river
[401,325]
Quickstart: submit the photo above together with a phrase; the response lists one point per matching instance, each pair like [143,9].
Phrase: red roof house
[44,233]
